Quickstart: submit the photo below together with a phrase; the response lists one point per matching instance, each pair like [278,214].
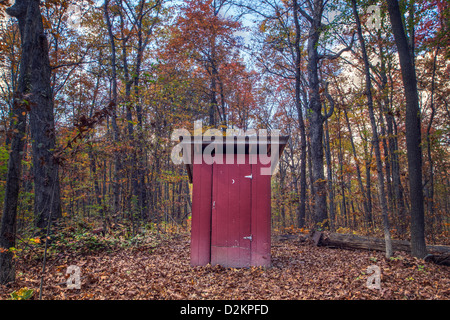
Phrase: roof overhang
[236,144]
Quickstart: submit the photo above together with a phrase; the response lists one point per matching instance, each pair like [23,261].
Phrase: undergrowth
[88,240]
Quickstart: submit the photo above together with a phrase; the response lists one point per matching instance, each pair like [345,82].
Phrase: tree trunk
[139,152]
[140,168]
[310,205]
[382,194]
[430,188]
[8,222]
[282,194]
[22,99]
[329,176]
[316,120]
[396,182]
[413,132]
[302,205]
[117,162]
[387,163]
[398,203]
[368,162]
[37,74]
[367,213]
[341,173]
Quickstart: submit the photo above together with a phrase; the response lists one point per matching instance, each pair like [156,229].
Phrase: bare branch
[331,101]
[305,15]
[337,55]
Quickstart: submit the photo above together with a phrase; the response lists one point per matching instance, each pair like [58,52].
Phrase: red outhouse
[231,203]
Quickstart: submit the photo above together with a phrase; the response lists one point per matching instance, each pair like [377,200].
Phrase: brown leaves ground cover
[300,271]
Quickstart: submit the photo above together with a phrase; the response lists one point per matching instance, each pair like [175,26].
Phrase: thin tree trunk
[329,176]
[117,162]
[139,183]
[341,173]
[387,163]
[368,164]
[430,188]
[311,183]
[382,194]
[396,182]
[139,186]
[302,205]
[413,132]
[281,194]
[367,213]
[398,204]
[8,222]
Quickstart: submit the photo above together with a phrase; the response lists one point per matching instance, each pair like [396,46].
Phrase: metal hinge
[214,205]
[249,177]
[250,237]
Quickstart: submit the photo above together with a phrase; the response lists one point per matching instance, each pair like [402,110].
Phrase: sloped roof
[241,144]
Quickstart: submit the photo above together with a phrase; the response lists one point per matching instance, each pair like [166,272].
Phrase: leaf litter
[299,271]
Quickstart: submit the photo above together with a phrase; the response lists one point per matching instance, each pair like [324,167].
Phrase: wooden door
[231,237]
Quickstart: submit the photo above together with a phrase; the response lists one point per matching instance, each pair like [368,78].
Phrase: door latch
[249,177]
[250,237]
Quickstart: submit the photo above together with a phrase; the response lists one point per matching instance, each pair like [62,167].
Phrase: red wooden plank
[201,215]
[218,233]
[261,217]
[233,182]
[245,208]
[220,214]
[196,189]
[213,213]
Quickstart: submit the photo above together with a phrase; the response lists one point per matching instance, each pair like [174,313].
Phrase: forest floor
[161,270]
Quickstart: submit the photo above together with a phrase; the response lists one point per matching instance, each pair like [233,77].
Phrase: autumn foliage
[132,71]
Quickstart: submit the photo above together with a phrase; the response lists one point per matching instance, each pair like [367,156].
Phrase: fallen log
[351,241]
[286,237]
[442,259]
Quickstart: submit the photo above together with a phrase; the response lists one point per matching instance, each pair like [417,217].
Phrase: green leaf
[22,294]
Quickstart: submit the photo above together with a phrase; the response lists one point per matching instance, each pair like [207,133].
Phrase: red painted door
[231,237]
